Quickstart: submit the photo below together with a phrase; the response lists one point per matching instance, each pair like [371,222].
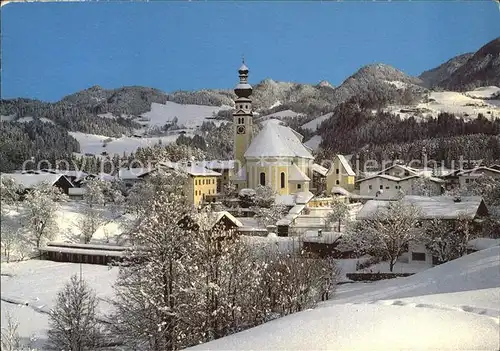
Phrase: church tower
[242,116]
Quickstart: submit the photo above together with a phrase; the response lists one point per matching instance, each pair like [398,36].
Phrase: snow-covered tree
[9,190]
[447,239]
[10,336]
[265,196]
[41,203]
[423,186]
[72,322]
[340,212]
[12,241]
[270,215]
[94,192]
[89,222]
[150,296]
[387,234]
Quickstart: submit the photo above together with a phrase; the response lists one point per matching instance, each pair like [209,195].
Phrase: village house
[29,181]
[340,174]
[465,177]
[445,208]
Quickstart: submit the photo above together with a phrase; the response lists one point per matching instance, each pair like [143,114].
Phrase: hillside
[435,76]
[482,69]
[453,306]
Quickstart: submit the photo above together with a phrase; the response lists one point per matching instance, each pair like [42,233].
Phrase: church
[273,156]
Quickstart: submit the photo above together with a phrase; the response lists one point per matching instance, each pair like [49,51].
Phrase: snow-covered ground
[29,290]
[189,116]
[453,306]
[93,144]
[314,142]
[314,124]
[12,118]
[281,114]
[468,104]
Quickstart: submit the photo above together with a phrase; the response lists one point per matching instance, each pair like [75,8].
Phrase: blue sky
[50,50]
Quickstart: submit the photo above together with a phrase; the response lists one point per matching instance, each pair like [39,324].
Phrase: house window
[387,187]
[299,186]
[381,187]
[370,187]
[196,193]
[236,186]
[337,171]
[337,182]
[262,178]
[282,180]
[467,180]
[418,256]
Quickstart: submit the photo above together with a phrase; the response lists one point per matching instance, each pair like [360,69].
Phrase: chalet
[437,207]
[29,181]
[467,176]
[386,186]
[225,168]
[130,176]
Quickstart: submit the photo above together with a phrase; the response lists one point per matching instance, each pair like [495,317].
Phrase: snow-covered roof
[191,168]
[412,171]
[383,176]
[478,170]
[132,173]
[276,140]
[346,165]
[311,236]
[319,169]
[28,181]
[483,243]
[95,252]
[296,175]
[287,200]
[219,164]
[243,67]
[233,219]
[340,190]
[436,207]
[303,197]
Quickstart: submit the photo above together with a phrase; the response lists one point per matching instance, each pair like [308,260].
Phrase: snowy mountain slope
[468,104]
[434,76]
[189,116]
[482,69]
[314,142]
[93,144]
[281,114]
[314,124]
[449,307]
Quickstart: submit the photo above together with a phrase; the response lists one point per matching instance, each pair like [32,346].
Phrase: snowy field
[314,124]
[29,290]
[281,114]
[93,144]
[453,306]
[468,104]
[190,116]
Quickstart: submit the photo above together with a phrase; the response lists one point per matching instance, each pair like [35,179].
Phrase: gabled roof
[319,169]
[383,176]
[346,165]
[28,181]
[219,164]
[191,168]
[435,207]
[478,170]
[411,170]
[276,140]
[132,173]
[295,174]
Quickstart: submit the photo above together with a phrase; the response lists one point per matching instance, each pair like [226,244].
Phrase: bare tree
[387,234]
[340,212]
[42,202]
[10,337]
[90,221]
[73,323]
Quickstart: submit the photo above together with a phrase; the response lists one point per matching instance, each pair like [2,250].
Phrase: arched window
[262,178]
[282,180]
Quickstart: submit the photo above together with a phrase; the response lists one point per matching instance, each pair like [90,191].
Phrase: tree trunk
[339,225]
[392,262]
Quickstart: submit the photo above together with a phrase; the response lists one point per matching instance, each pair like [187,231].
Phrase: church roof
[276,140]
[243,67]
[295,174]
